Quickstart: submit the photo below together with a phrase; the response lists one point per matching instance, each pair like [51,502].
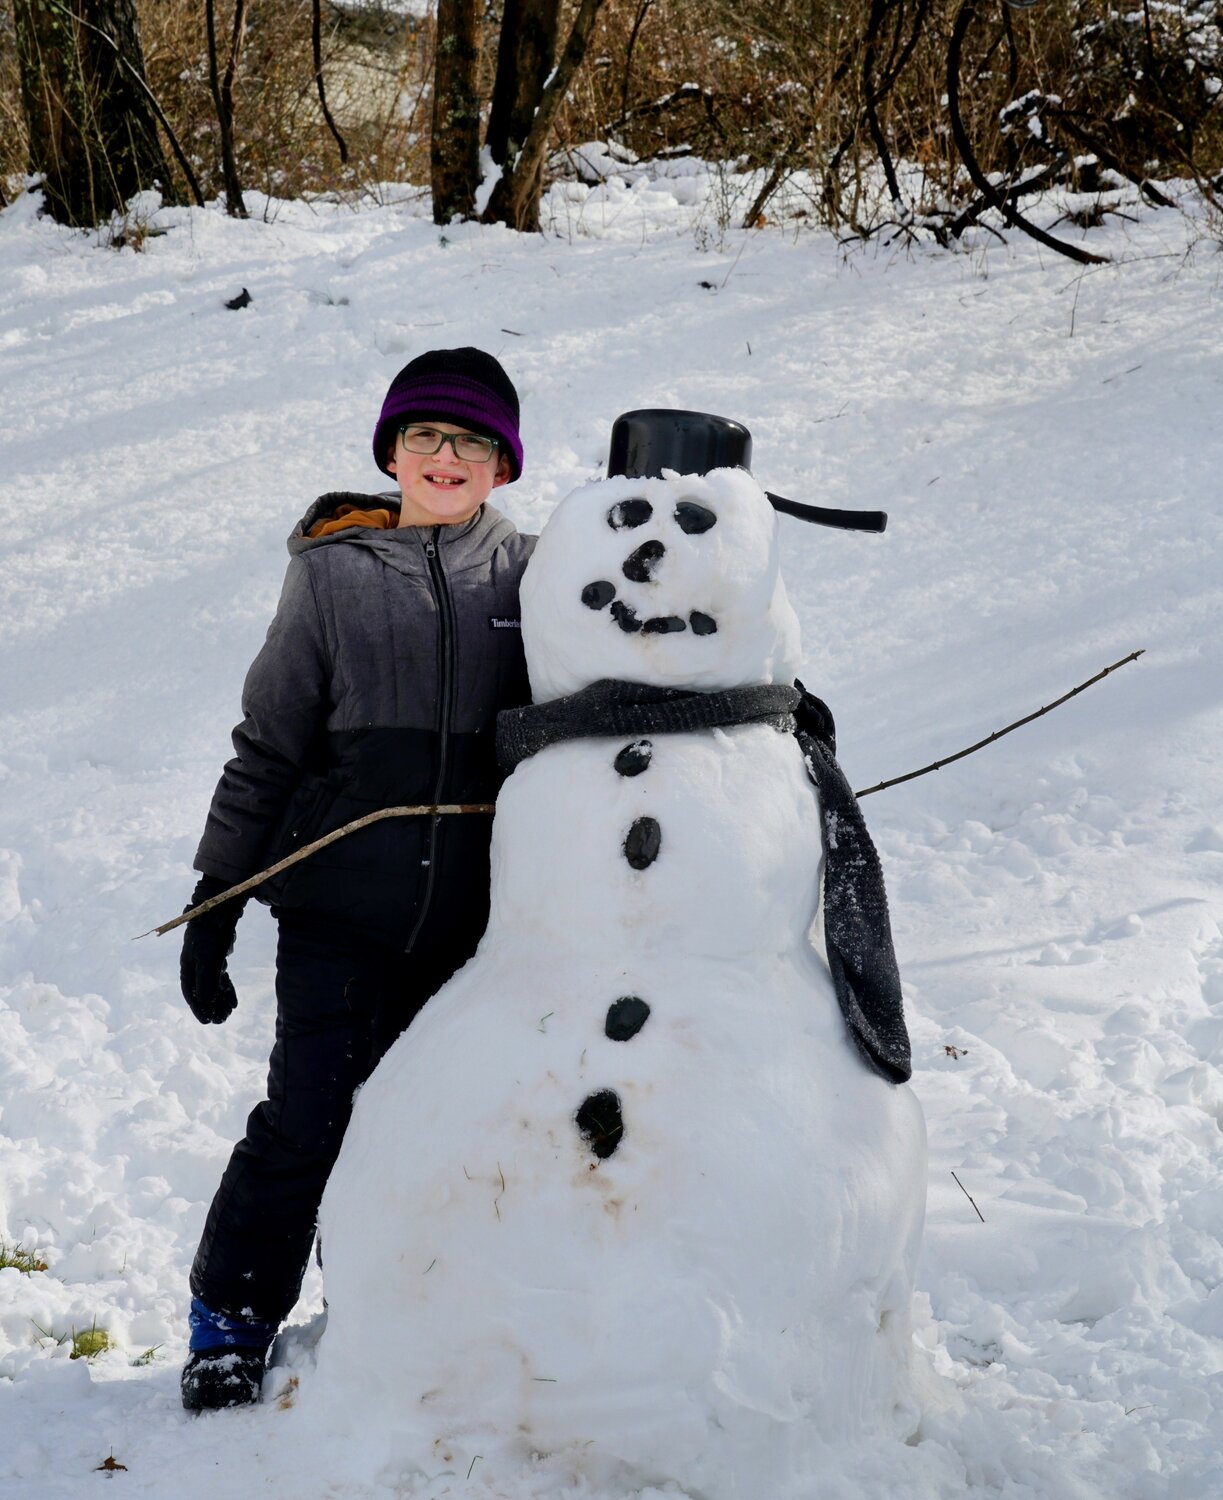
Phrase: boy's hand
[207,942]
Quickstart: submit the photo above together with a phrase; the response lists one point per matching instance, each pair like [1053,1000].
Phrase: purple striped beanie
[463,386]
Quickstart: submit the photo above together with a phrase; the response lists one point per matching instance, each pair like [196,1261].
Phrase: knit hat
[465,386]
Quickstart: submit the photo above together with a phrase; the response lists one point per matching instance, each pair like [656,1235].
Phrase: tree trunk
[90,121]
[526,55]
[454,152]
[222,85]
[515,199]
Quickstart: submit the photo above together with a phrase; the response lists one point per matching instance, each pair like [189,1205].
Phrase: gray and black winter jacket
[389,657]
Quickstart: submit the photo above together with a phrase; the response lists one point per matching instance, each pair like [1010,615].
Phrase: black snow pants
[340,1005]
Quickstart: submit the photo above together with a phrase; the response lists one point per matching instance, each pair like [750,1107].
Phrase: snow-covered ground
[1047,440]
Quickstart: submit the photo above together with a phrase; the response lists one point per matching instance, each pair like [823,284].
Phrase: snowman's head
[671,581]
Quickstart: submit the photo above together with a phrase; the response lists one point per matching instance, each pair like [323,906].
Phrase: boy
[390,654]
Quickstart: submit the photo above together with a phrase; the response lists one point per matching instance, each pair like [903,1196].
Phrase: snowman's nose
[639,565]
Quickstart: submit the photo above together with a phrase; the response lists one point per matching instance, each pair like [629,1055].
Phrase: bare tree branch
[965,17]
[998,733]
[316,41]
[223,99]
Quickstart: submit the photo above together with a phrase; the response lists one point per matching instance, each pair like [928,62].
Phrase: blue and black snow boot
[227,1359]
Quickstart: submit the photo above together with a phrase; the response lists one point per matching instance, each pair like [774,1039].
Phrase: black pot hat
[645,442]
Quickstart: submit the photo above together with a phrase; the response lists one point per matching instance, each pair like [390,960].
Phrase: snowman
[641,1189]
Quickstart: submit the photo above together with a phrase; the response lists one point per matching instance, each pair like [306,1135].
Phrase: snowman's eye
[694,518]
[628,513]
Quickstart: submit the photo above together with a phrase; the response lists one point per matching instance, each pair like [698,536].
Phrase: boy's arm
[284,701]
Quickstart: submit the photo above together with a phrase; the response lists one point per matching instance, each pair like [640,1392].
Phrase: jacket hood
[487,526]
[326,507]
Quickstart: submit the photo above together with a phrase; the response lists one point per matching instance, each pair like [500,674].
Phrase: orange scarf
[346,516]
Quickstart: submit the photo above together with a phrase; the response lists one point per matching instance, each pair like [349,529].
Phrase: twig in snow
[1108,379]
[734,263]
[970,1197]
[998,733]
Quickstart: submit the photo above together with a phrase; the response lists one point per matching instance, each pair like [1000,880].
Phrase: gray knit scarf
[857,931]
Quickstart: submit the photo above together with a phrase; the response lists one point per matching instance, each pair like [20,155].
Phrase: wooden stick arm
[431,810]
[998,733]
[447,809]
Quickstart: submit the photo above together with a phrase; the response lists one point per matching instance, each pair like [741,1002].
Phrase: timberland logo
[504,622]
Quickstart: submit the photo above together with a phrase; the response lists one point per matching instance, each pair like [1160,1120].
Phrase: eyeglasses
[471,447]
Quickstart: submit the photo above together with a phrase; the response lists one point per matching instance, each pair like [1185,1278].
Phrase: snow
[1046,440]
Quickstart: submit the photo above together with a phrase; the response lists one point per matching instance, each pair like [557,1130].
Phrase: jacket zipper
[445,669]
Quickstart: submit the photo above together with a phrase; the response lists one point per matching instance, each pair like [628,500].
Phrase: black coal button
[600,1121]
[642,843]
[634,758]
[625,1018]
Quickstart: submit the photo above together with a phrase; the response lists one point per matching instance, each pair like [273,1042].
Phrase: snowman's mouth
[601,593]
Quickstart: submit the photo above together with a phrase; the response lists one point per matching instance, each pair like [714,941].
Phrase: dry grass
[785,87]
[87,1343]
[16,1258]
[797,89]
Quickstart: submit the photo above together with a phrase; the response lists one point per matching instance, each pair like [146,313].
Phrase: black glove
[814,717]
[207,943]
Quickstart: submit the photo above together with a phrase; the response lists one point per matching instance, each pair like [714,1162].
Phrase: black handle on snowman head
[645,442]
[825,515]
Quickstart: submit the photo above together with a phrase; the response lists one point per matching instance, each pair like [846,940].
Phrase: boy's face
[441,489]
